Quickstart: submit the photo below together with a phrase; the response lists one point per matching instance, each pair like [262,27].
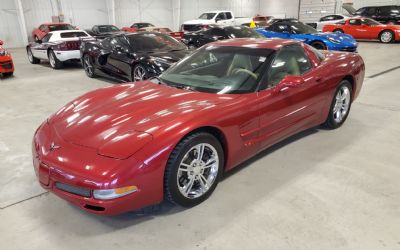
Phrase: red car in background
[136,26]
[6,62]
[366,28]
[125,147]
[262,19]
[177,35]
[44,29]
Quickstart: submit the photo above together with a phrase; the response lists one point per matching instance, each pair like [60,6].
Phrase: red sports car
[125,147]
[365,28]
[44,29]
[6,62]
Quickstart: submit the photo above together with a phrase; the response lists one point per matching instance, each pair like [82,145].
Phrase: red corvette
[6,62]
[125,147]
[365,28]
[44,29]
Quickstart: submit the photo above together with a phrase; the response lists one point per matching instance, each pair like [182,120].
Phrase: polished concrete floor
[318,190]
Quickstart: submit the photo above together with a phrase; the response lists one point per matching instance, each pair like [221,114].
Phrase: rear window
[73,34]
[60,27]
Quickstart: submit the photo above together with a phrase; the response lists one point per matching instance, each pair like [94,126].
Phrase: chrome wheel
[52,60]
[386,37]
[198,170]
[342,104]
[88,66]
[139,73]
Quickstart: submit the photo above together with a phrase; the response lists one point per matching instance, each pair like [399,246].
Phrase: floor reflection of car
[131,56]
[173,137]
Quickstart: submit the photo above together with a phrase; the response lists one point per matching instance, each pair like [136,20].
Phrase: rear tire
[193,169]
[139,73]
[54,62]
[31,58]
[319,45]
[340,106]
[386,36]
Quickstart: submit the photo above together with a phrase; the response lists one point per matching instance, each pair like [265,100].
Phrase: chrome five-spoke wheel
[342,104]
[139,73]
[198,170]
[88,66]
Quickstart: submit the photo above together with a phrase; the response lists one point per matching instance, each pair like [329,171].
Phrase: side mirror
[291,82]
[217,19]
[1,42]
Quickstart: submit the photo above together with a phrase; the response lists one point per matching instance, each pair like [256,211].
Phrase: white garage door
[10,31]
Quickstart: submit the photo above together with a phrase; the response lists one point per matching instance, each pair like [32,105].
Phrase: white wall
[280,8]
[37,12]
[10,31]
[85,13]
[312,10]
[361,3]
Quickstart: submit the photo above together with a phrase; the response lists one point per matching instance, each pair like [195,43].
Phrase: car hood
[135,111]
[343,38]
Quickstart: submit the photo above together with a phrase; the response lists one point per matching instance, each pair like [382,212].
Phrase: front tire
[139,73]
[31,58]
[54,62]
[318,45]
[386,36]
[340,106]
[193,169]
[88,66]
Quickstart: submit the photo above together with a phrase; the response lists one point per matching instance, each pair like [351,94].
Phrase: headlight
[333,40]
[108,194]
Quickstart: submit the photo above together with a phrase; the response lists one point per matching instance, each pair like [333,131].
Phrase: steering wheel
[241,70]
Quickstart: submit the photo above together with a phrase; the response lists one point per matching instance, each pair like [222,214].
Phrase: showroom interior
[90,159]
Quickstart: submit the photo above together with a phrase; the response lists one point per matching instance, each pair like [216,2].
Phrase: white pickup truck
[217,17]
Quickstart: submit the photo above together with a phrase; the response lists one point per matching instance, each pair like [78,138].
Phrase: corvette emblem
[53,147]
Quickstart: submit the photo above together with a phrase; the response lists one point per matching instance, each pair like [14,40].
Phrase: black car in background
[103,31]
[389,14]
[215,33]
[131,56]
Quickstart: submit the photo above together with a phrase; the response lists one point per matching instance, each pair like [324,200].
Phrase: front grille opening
[94,208]
[73,189]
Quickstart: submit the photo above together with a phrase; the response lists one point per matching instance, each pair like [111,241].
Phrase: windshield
[243,32]
[222,70]
[154,42]
[207,16]
[107,28]
[301,28]
[61,27]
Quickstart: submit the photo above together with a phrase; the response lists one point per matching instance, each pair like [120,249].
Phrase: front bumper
[337,47]
[65,55]
[83,170]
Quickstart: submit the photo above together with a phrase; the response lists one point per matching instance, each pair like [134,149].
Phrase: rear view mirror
[291,81]
[1,42]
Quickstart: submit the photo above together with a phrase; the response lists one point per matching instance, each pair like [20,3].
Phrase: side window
[326,18]
[280,28]
[360,12]
[384,10]
[228,15]
[221,16]
[355,22]
[289,61]
[42,27]
[46,38]
[371,11]
[106,43]
[337,17]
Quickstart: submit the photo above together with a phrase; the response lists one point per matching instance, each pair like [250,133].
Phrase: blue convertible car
[294,29]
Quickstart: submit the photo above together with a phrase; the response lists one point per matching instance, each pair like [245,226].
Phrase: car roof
[259,43]
[216,11]
[55,24]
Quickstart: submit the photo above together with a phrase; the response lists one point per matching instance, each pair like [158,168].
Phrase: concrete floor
[319,190]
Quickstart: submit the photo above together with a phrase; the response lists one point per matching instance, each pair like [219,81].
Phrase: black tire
[318,45]
[31,58]
[338,31]
[139,77]
[54,62]
[171,186]
[88,66]
[8,74]
[384,36]
[331,122]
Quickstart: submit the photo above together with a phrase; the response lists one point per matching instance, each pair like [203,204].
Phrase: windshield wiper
[181,86]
